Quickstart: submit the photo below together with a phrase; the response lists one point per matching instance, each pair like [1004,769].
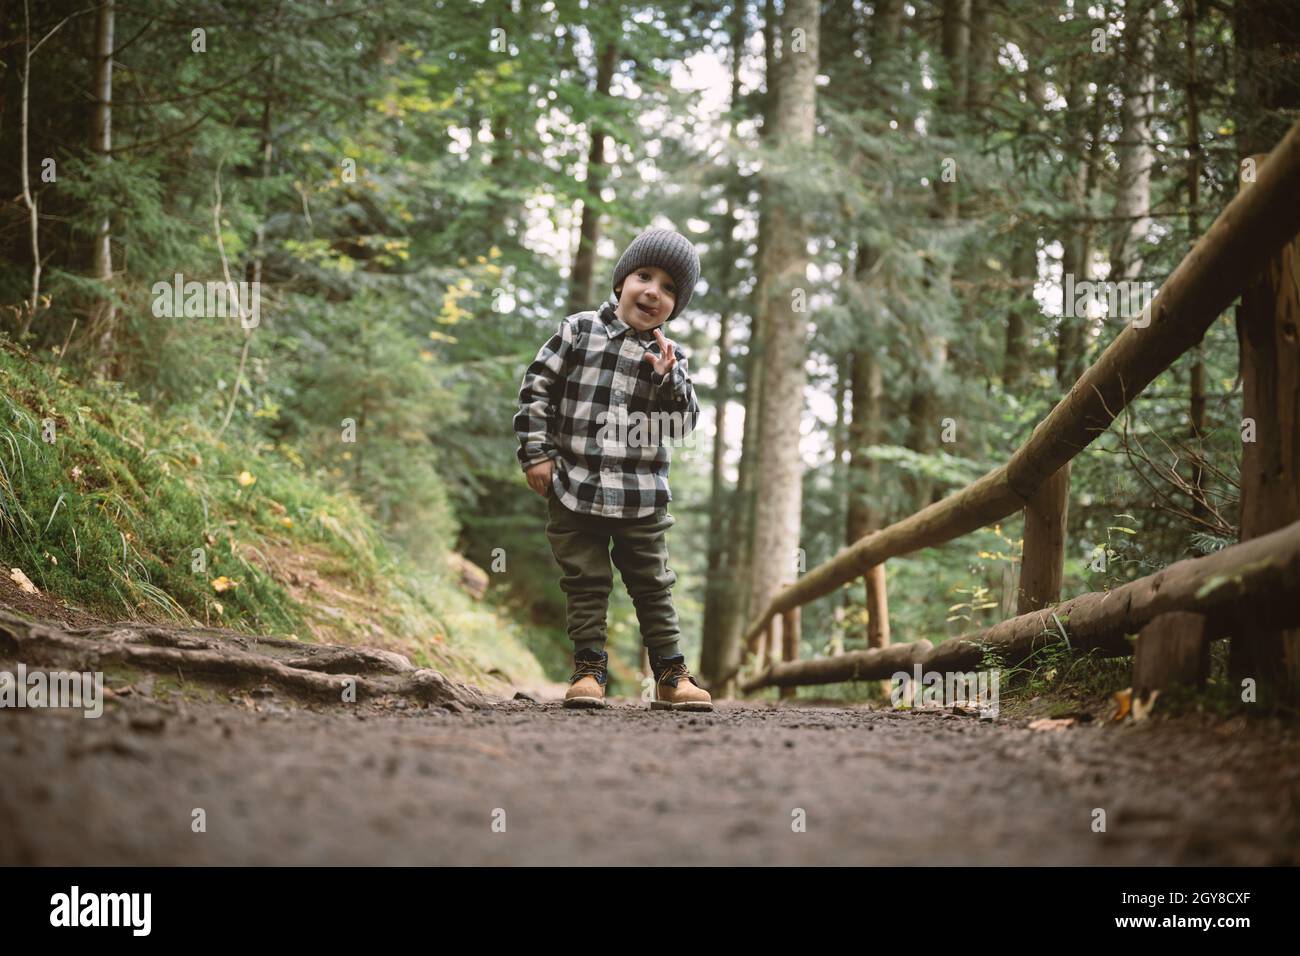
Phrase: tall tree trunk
[1267,317]
[864,481]
[1015,359]
[714,654]
[840,472]
[253,272]
[104,313]
[840,438]
[33,216]
[978,83]
[1049,507]
[267,150]
[1076,243]
[866,384]
[864,431]
[1136,157]
[956,51]
[1267,35]
[738,609]
[1267,77]
[922,412]
[1196,377]
[778,482]
[584,261]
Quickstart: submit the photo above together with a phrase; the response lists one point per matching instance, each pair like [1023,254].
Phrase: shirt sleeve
[675,392]
[533,421]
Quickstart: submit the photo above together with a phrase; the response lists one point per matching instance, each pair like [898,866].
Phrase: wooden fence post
[790,644]
[1172,649]
[877,607]
[1268,328]
[878,613]
[1044,555]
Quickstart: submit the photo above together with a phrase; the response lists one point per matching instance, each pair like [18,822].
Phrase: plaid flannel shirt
[594,404]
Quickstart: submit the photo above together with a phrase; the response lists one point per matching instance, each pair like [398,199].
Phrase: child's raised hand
[664,363]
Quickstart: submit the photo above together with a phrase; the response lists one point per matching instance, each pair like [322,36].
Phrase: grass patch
[126,513]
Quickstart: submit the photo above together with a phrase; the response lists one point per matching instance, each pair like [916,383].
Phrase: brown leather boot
[587,685]
[675,688]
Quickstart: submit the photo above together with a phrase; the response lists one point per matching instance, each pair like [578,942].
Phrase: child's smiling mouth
[648,310]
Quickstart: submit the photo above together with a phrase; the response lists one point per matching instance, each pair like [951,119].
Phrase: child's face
[647,286]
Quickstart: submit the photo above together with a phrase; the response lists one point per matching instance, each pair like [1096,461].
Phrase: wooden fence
[1250,250]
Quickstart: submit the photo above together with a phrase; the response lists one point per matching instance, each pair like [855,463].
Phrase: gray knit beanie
[670,251]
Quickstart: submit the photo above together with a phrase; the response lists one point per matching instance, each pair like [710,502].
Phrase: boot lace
[594,669]
[673,672]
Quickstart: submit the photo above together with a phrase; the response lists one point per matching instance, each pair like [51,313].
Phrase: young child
[583,406]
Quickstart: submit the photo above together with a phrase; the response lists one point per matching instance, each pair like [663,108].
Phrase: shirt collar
[616,326]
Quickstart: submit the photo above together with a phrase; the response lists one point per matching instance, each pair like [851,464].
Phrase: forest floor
[217,769]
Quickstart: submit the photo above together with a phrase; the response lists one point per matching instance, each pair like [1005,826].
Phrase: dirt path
[423,784]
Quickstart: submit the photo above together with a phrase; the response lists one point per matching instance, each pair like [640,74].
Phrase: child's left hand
[664,363]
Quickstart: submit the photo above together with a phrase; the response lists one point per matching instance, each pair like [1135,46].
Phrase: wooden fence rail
[1261,219]
[1241,581]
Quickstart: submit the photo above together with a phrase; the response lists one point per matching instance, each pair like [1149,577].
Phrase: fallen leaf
[24,583]
[1123,702]
[1142,708]
[1050,723]
[223,583]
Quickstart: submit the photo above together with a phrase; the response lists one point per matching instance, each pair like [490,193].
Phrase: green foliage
[129,514]
[111,512]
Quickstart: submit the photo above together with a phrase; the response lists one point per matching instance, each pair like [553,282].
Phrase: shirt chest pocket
[630,383]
